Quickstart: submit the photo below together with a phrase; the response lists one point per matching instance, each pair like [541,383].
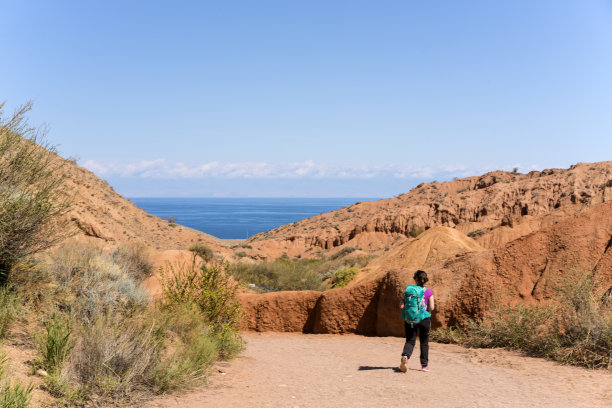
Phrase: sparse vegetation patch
[416,231]
[299,274]
[107,341]
[575,329]
[343,276]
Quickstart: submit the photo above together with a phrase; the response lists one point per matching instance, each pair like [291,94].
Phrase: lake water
[239,218]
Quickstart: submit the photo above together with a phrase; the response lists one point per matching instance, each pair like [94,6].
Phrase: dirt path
[296,370]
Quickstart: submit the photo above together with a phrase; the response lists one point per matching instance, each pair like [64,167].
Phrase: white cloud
[162,169]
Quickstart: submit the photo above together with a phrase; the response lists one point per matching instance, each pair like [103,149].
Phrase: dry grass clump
[91,283]
[127,358]
[115,354]
[448,335]
[133,257]
[586,321]
[343,252]
[526,328]
[575,329]
[55,343]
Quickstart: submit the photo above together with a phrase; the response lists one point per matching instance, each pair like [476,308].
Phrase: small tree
[202,251]
[416,231]
[31,197]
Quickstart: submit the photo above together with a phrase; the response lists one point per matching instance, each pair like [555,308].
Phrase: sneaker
[425,368]
[403,367]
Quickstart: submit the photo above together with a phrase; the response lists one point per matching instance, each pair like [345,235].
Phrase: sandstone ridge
[525,269]
[494,209]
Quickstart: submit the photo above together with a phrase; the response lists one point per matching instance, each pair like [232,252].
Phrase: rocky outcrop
[524,270]
[368,305]
[493,209]
[280,311]
[88,229]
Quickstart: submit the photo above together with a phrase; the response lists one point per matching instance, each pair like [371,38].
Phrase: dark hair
[420,277]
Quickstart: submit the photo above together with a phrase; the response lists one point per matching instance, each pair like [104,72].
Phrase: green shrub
[229,343]
[211,288]
[9,309]
[203,252]
[32,196]
[343,276]
[207,331]
[16,396]
[416,231]
[55,343]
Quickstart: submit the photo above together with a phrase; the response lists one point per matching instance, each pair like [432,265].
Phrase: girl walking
[417,305]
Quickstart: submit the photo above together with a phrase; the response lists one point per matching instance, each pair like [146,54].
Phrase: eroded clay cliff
[493,209]
[524,269]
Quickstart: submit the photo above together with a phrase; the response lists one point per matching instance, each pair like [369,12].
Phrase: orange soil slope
[464,284]
[494,209]
[434,246]
[102,215]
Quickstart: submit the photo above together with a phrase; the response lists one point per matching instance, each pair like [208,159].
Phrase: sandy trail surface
[297,370]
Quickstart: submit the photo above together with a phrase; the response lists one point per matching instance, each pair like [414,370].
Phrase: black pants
[423,328]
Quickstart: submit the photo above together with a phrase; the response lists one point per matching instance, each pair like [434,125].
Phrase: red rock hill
[526,232]
[493,209]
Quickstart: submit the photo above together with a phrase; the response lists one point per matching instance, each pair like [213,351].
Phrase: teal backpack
[414,309]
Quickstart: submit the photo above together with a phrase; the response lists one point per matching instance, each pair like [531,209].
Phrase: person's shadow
[368,368]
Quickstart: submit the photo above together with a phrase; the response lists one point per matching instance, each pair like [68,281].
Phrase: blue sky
[311,98]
